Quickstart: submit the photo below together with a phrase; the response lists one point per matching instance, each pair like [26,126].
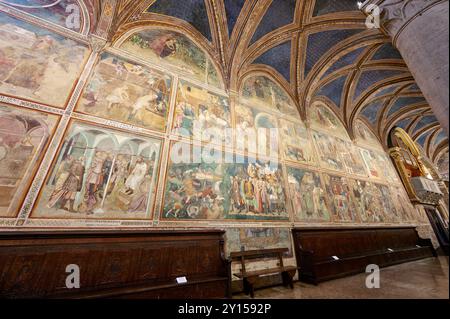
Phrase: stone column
[419,30]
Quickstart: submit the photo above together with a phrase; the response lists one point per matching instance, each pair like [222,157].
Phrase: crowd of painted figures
[211,191]
[107,177]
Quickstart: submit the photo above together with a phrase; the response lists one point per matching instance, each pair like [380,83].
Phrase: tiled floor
[427,278]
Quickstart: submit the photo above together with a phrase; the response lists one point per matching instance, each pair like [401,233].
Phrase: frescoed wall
[99,137]
[51,11]
[101,174]
[308,196]
[175,51]
[127,92]
[36,64]
[24,136]
[245,189]
[199,111]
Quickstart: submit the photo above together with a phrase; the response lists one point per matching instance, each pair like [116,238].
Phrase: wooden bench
[114,264]
[329,253]
[249,278]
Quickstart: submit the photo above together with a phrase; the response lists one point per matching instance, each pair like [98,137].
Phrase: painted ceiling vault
[317,50]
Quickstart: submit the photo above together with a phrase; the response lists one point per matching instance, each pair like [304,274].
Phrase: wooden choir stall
[328,253]
[120,264]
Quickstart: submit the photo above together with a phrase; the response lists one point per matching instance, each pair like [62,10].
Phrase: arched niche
[323,118]
[69,14]
[171,50]
[365,136]
[258,89]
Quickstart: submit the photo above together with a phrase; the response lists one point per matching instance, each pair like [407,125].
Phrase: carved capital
[395,15]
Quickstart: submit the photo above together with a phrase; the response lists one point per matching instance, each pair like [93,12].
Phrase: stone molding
[395,15]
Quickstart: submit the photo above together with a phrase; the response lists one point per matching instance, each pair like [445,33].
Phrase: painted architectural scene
[307,195]
[379,165]
[127,92]
[248,189]
[174,51]
[295,142]
[351,157]
[263,92]
[201,114]
[36,64]
[257,131]
[24,137]
[101,174]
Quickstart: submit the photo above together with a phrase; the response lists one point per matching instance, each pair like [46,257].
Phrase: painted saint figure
[69,183]
[136,177]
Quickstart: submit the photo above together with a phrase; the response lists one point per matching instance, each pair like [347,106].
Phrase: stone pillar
[419,30]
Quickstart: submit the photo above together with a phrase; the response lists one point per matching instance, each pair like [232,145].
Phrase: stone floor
[423,279]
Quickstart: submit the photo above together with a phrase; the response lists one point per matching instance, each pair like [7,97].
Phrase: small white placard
[390,250]
[181,280]
[335,257]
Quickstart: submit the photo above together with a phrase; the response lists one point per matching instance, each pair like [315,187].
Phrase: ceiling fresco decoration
[233,9]
[191,11]
[345,61]
[320,43]
[331,6]
[279,14]
[278,58]
[387,51]
[401,102]
[369,78]
[333,90]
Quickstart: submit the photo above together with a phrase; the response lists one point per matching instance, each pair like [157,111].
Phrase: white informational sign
[335,257]
[182,280]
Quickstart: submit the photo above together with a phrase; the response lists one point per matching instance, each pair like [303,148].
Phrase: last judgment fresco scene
[100,173]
